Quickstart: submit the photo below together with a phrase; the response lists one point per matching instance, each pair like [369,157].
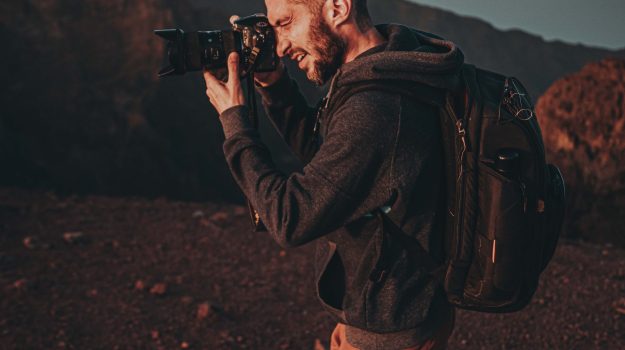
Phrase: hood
[409,56]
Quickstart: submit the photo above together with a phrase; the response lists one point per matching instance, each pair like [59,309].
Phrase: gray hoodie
[371,149]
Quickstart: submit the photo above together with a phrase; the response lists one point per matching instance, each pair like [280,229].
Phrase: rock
[186,300]
[207,223]
[219,217]
[203,310]
[619,306]
[139,285]
[582,117]
[32,242]
[21,284]
[75,238]
[159,289]
[207,309]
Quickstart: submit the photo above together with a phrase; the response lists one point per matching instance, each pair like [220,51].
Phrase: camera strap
[257,224]
[251,97]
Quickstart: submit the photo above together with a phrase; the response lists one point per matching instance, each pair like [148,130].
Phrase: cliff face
[583,121]
[83,109]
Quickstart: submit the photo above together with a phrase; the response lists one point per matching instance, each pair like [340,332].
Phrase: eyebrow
[282,21]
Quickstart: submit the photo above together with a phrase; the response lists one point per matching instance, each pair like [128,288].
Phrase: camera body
[252,37]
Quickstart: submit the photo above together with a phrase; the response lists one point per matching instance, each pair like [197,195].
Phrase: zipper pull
[318,117]
[461,133]
[460,127]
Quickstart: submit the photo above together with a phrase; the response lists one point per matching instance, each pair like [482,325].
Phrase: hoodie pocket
[401,287]
[331,282]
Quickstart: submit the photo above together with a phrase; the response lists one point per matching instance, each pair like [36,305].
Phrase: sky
[599,23]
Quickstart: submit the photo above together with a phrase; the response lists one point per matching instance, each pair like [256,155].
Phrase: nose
[282,44]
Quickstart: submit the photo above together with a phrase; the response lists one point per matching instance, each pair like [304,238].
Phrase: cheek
[301,37]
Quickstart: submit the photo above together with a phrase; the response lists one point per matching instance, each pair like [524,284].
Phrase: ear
[337,11]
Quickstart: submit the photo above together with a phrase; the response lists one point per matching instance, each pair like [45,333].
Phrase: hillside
[83,111]
[537,62]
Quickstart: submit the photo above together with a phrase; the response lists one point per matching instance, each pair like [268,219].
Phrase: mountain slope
[537,62]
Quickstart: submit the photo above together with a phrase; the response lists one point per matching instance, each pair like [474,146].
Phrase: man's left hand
[229,94]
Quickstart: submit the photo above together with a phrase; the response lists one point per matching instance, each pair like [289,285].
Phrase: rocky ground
[124,273]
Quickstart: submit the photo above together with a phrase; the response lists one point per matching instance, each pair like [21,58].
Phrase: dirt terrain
[127,273]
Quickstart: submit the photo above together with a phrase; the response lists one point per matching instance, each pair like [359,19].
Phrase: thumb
[233,68]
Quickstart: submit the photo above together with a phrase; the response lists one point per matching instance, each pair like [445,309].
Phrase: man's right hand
[266,78]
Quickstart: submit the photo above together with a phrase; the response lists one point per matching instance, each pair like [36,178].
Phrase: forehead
[280,10]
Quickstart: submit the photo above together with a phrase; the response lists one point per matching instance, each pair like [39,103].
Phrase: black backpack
[505,204]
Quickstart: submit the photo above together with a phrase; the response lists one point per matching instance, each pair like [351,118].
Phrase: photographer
[373,158]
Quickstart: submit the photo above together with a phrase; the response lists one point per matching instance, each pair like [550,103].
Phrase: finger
[210,79]
[233,69]
[234,18]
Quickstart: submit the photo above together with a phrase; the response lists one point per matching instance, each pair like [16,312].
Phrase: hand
[229,94]
[267,78]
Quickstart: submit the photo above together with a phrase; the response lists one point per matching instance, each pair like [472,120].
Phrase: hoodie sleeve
[343,181]
[291,115]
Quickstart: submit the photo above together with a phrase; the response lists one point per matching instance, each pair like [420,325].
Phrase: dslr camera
[252,37]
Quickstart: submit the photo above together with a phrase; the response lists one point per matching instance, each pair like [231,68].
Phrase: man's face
[306,38]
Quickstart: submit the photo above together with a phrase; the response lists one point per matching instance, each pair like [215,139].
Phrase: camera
[252,37]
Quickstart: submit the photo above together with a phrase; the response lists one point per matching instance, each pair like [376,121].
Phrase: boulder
[583,121]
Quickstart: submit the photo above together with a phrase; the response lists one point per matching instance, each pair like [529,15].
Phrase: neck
[359,42]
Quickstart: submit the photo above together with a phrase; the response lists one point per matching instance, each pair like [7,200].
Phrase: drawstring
[325,102]
[331,89]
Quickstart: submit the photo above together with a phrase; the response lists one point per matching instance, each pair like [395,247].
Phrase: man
[367,151]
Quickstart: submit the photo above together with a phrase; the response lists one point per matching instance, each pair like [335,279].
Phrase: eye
[287,23]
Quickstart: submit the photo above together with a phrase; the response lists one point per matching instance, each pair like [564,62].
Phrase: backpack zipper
[462,134]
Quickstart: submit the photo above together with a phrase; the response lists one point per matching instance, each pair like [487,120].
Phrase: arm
[345,179]
[290,114]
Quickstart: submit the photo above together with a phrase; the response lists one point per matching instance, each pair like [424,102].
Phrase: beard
[329,50]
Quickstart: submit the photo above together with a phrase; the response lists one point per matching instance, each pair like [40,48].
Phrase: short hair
[363,19]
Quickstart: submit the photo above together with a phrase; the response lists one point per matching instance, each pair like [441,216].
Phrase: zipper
[322,106]
[460,129]
[461,133]
[325,102]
